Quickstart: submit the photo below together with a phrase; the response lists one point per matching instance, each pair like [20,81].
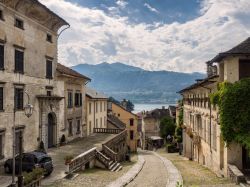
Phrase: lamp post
[28,110]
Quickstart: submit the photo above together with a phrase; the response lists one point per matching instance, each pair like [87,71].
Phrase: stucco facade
[202,138]
[96,110]
[23,34]
[131,121]
[74,91]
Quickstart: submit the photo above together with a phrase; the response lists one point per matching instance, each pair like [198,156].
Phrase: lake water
[148,107]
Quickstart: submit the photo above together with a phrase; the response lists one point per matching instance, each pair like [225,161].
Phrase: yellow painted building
[96,110]
[131,121]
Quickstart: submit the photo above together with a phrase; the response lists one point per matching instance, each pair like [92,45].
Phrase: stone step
[116,167]
[112,166]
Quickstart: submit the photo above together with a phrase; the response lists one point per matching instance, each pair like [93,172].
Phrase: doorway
[246,160]
[51,129]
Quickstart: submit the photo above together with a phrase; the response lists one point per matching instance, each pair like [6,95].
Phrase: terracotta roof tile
[65,70]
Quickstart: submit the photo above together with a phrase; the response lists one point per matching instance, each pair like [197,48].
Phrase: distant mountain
[140,86]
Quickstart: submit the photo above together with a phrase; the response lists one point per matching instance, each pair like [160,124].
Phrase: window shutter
[1,57]
[1,98]
[76,99]
[19,61]
[49,69]
[80,99]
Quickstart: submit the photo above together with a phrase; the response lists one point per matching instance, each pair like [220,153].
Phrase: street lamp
[28,111]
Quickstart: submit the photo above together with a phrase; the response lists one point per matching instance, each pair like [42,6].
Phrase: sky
[172,35]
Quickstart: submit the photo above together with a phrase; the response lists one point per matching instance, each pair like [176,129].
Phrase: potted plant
[68,159]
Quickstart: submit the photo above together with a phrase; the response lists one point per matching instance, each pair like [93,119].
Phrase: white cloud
[121,3]
[152,9]
[95,37]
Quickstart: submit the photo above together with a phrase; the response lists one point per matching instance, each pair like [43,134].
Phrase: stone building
[74,91]
[152,119]
[131,121]
[28,61]
[96,110]
[202,139]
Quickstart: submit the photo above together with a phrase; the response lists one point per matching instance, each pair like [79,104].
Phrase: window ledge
[16,71]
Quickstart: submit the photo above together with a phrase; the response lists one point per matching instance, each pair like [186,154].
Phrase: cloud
[121,3]
[96,37]
[152,9]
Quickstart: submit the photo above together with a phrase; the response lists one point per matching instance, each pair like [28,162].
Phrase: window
[1,15]
[17,140]
[49,38]
[49,69]
[90,130]
[131,135]
[105,122]
[70,99]
[96,107]
[100,106]
[19,57]
[78,99]
[244,69]
[48,92]
[1,56]
[214,135]
[118,115]
[19,23]
[96,123]
[104,106]
[101,122]
[70,128]
[131,122]
[1,144]
[89,108]
[1,98]
[19,98]
[78,126]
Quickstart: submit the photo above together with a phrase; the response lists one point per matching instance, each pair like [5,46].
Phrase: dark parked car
[30,161]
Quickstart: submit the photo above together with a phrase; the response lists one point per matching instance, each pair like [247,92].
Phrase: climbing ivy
[234,109]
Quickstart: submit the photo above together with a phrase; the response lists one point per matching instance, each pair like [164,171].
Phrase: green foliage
[130,106]
[32,176]
[68,158]
[178,129]
[113,100]
[167,127]
[234,101]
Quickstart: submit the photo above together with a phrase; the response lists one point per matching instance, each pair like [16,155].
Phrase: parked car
[30,161]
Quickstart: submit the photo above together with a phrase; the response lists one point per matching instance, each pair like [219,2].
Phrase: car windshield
[45,159]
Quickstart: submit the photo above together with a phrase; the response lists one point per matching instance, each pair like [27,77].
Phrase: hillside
[140,86]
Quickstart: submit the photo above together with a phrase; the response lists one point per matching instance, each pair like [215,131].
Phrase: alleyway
[153,173]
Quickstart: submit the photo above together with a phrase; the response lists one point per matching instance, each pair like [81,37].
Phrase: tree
[167,127]
[113,100]
[130,106]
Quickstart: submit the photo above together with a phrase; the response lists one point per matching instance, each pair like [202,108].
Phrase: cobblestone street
[153,173]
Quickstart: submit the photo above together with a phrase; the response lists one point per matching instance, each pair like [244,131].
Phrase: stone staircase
[114,166]
[110,164]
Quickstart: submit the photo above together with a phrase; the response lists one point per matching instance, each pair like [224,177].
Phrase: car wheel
[7,169]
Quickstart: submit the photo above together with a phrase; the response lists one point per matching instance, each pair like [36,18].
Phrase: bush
[68,158]
[172,148]
[32,176]
[167,127]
